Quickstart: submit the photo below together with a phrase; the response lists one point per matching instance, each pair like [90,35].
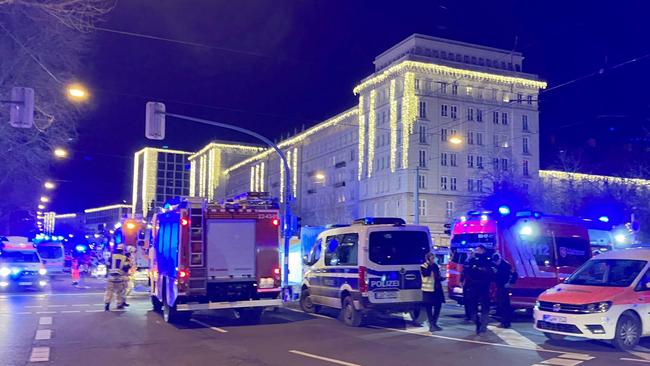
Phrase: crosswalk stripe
[561,362]
[40,354]
[577,356]
[43,334]
[512,337]
[45,320]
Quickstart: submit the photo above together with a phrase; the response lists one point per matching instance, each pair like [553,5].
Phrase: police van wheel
[306,304]
[350,316]
[156,304]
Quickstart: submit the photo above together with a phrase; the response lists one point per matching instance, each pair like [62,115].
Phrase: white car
[607,298]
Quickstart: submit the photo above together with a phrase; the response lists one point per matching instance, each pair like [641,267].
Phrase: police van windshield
[398,247]
[50,252]
[18,257]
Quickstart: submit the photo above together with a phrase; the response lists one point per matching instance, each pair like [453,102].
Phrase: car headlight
[537,304]
[42,271]
[597,307]
[4,272]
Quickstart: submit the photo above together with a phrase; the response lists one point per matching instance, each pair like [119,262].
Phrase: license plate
[25,283]
[554,319]
[386,295]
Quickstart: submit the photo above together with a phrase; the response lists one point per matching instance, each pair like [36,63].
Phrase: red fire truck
[543,249]
[216,256]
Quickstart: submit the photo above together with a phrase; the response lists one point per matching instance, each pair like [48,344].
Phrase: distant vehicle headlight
[42,271]
[4,272]
[537,304]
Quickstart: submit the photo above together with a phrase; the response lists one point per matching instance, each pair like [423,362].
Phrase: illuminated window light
[372,120]
[393,126]
[362,136]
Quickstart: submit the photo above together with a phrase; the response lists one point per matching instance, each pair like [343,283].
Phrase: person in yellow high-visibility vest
[116,284]
[432,295]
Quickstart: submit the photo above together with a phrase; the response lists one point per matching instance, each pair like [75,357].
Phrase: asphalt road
[66,325]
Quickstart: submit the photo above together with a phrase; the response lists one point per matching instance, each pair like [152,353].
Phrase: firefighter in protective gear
[116,285]
[130,279]
[432,295]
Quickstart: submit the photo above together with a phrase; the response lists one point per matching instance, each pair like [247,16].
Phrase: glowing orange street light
[455,140]
[48,185]
[60,153]
[77,93]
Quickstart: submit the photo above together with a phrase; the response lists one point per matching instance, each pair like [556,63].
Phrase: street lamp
[455,140]
[41,207]
[45,199]
[48,185]
[60,153]
[319,176]
[77,93]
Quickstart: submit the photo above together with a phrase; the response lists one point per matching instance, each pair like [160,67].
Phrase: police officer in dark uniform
[505,276]
[468,298]
[480,272]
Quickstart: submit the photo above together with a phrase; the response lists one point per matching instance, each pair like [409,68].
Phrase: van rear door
[230,249]
[395,255]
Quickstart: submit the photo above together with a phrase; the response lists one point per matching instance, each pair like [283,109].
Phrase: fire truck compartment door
[230,248]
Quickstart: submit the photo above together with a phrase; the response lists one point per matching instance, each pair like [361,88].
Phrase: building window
[479,185]
[526,149]
[443,183]
[443,134]
[470,185]
[422,208]
[469,91]
[479,115]
[504,118]
[495,118]
[479,162]
[452,160]
[479,138]
[417,84]
[449,209]
[504,164]
[525,168]
[423,159]
[495,163]
[444,110]
[470,114]
[443,88]
[423,110]
[529,99]
[421,182]
[454,112]
[423,134]
[495,140]
[519,98]
[470,161]
[524,123]
[454,89]
[443,159]
[470,137]
[452,184]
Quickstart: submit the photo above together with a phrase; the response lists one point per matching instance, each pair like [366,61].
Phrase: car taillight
[447,271]
[185,222]
[363,284]
[183,273]
[276,271]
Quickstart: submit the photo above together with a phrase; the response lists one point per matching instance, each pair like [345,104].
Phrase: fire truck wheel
[350,316]
[306,304]
[157,305]
[250,316]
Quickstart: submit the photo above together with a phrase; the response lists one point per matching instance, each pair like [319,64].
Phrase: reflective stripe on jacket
[427,278]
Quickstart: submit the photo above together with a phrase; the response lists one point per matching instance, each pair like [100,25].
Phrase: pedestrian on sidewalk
[432,295]
[504,278]
[116,283]
[481,271]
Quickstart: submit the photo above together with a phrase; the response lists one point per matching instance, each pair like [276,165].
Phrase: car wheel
[628,332]
[350,316]
[554,336]
[306,304]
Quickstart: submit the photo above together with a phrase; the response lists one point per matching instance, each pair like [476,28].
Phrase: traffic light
[155,121]
[21,112]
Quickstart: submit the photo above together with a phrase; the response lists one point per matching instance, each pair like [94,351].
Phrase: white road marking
[310,355]
[512,337]
[81,305]
[310,314]
[24,312]
[56,306]
[634,360]
[561,362]
[577,356]
[94,311]
[70,311]
[209,326]
[45,320]
[40,354]
[46,312]
[34,306]
[43,334]
[58,294]
[644,354]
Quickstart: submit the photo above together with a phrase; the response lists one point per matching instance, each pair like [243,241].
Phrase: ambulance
[608,298]
[20,266]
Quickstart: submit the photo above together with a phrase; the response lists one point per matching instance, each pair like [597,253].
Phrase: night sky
[276,65]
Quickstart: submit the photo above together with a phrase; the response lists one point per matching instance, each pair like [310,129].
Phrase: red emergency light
[182,273]
[184,222]
[276,222]
[276,271]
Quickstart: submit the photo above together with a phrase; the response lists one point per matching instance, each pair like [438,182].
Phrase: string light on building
[294,172]
[393,126]
[262,177]
[281,180]
[193,173]
[252,184]
[409,107]
[362,136]
[372,130]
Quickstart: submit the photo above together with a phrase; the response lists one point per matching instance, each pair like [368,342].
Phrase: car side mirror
[305,261]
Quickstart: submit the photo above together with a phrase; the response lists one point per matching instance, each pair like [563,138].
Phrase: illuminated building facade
[449,116]
[159,175]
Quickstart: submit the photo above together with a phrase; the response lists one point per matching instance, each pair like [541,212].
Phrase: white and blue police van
[372,265]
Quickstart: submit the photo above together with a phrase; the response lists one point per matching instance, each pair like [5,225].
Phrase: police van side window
[342,250]
[314,253]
